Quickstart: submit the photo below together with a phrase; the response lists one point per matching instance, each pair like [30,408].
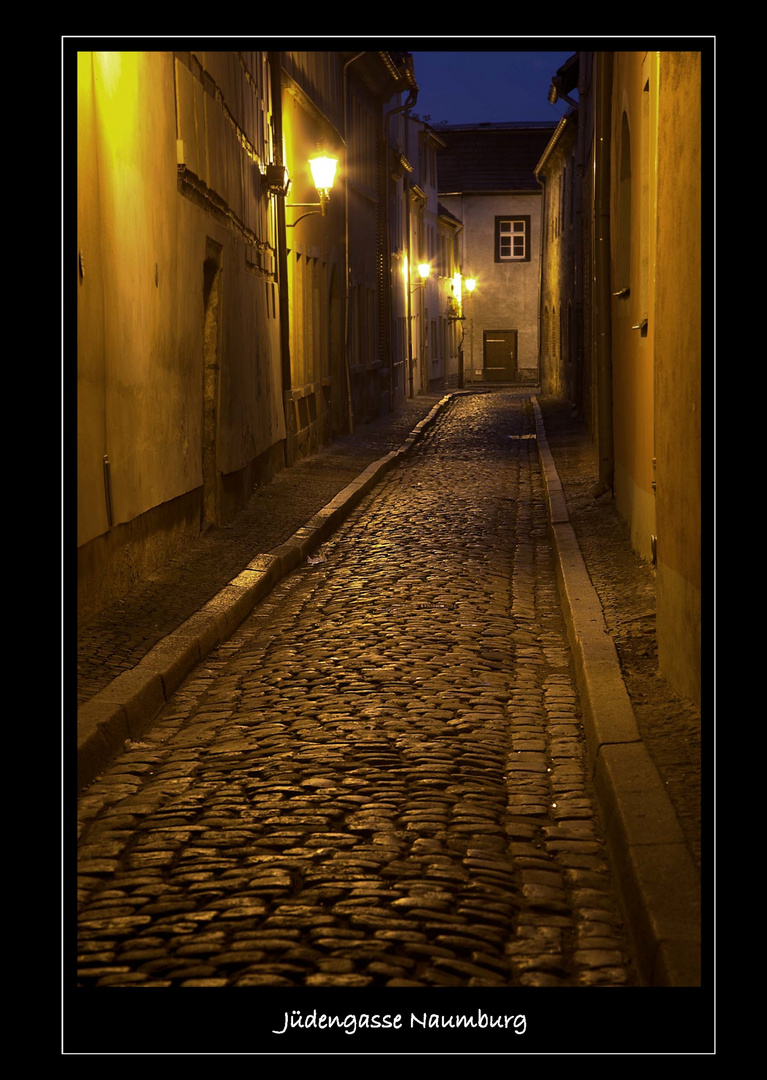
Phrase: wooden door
[500,355]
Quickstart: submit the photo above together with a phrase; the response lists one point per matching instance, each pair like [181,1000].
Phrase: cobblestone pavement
[117,638]
[379,780]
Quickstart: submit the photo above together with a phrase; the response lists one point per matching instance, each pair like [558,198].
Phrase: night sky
[486,87]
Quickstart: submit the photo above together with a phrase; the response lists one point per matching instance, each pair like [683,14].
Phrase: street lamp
[323,168]
[460,283]
[424,269]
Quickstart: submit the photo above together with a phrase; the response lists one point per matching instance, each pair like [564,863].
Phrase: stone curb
[658,881]
[128,707]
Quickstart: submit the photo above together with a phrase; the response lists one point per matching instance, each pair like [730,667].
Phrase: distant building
[487,181]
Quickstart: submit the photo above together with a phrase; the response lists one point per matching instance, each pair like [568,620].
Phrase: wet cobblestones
[379,780]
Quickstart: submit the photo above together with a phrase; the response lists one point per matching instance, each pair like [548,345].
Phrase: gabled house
[487,181]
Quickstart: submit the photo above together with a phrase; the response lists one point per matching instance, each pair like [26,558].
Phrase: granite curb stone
[659,884]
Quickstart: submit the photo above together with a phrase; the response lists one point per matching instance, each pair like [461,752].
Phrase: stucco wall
[140,297]
[679,371]
[558,343]
[632,242]
[319,384]
[506,296]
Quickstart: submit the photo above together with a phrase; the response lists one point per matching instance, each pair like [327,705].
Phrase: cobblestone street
[378,781]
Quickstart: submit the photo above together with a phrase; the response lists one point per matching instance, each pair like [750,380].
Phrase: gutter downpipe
[544,249]
[275,70]
[408,300]
[602,275]
[410,102]
[580,169]
[461,320]
[347,261]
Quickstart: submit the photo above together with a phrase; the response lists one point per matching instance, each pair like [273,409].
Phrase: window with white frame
[512,239]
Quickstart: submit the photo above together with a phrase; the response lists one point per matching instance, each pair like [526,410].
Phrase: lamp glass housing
[323,168]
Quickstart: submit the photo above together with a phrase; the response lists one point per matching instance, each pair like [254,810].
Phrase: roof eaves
[563,123]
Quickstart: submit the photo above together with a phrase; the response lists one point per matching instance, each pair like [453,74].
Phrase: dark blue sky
[486,87]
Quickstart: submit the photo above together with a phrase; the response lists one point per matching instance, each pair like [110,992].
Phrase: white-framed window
[512,239]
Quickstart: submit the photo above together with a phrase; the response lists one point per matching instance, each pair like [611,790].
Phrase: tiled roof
[491,157]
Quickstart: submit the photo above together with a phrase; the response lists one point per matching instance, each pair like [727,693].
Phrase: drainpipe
[460,320]
[580,170]
[411,100]
[602,275]
[347,261]
[408,291]
[544,251]
[275,69]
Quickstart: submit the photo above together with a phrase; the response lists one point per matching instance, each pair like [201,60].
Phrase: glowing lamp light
[424,269]
[471,284]
[323,167]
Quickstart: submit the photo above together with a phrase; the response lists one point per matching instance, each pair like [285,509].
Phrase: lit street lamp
[470,285]
[323,169]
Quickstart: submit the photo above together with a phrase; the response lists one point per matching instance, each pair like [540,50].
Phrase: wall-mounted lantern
[424,269]
[323,167]
[455,302]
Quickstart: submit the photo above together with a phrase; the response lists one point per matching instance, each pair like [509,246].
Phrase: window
[512,239]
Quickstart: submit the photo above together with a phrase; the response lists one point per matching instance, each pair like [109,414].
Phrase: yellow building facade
[179,405]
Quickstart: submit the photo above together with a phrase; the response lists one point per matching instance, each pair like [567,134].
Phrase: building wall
[369,369]
[506,296]
[558,340]
[316,377]
[678,355]
[638,195]
[397,180]
[433,359]
[633,214]
[655,228]
[450,297]
[169,150]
